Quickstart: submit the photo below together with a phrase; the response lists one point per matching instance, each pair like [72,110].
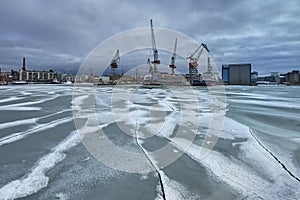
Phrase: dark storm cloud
[61,33]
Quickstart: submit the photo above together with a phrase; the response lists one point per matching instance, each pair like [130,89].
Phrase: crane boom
[193,54]
[150,66]
[116,58]
[175,48]
[155,52]
[172,65]
[152,36]
[194,59]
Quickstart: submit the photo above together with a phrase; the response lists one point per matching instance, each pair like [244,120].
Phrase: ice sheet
[255,175]
[174,190]
[25,105]
[37,128]
[36,179]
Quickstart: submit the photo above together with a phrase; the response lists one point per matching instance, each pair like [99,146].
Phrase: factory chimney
[24,65]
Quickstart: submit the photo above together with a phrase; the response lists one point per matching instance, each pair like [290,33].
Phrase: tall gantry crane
[155,52]
[114,62]
[172,65]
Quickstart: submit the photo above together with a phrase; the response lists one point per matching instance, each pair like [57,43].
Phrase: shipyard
[201,72]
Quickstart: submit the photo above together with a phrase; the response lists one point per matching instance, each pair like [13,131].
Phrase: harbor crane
[194,58]
[155,52]
[193,64]
[172,65]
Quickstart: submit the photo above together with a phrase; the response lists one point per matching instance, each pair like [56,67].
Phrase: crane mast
[209,67]
[172,65]
[150,66]
[114,61]
[155,52]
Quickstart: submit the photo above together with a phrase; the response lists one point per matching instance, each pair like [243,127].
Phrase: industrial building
[293,77]
[36,75]
[254,77]
[236,74]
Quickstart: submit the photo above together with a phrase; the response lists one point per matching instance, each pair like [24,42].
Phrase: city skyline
[60,35]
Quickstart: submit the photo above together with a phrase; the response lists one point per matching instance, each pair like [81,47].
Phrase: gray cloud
[60,34]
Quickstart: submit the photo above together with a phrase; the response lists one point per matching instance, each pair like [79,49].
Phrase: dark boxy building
[293,76]
[236,74]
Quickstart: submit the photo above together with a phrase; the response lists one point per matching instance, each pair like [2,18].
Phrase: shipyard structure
[36,75]
[25,76]
[155,78]
[232,74]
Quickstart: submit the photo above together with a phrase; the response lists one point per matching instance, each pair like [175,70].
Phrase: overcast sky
[60,34]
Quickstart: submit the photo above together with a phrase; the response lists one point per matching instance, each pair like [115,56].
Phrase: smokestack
[24,65]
